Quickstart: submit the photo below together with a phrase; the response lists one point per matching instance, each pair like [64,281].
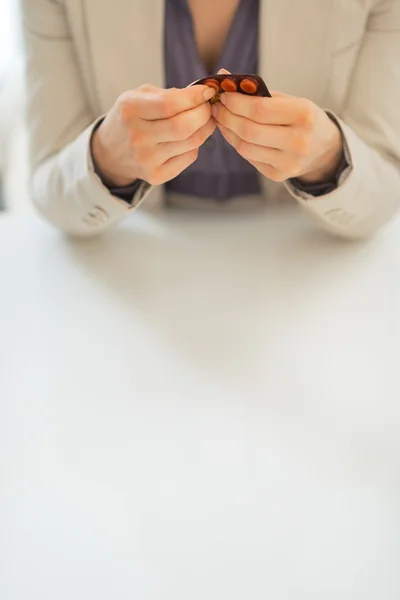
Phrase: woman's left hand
[283,136]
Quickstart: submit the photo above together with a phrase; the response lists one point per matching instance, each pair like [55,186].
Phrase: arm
[309,147]
[65,187]
[150,134]
[369,194]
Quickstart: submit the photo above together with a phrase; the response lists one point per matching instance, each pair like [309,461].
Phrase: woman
[111,120]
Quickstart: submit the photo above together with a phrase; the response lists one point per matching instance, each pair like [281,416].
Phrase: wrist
[326,167]
[104,164]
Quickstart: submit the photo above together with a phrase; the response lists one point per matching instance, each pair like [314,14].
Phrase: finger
[149,87]
[274,136]
[253,152]
[276,94]
[223,72]
[270,172]
[179,127]
[169,149]
[173,167]
[150,104]
[278,110]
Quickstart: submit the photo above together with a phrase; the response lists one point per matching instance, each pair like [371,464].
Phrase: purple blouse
[219,172]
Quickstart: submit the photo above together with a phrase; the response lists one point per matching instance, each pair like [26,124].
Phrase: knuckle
[181,126]
[165,104]
[195,96]
[193,156]
[206,110]
[280,177]
[258,110]
[242,147]
[202,115]
[301,143]
[266,170]
[307,113]
[137,138]
[294,166]
[180,130]
[125,107]
[155,177]
[277,176]
[147,87]
[243,130]
[145,157]
[246,130]
[197,139]
[222,115]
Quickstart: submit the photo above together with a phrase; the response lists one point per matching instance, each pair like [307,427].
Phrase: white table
[199,407]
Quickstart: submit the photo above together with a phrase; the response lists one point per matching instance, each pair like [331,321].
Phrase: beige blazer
[342,54]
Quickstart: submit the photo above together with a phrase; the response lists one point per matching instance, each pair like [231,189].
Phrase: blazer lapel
[296,46]
[124,40]
[125,45]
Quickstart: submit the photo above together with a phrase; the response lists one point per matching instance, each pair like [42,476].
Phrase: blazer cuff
[67,191]
[105,207]
[134,194]
[126,193]
[343,210]
[307,190]
[323,187]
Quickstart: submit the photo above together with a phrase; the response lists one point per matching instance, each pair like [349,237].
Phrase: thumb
[223,72]
[276,94]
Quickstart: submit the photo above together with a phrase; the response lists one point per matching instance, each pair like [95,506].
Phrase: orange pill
[250,86]
[212,83]
[229,85]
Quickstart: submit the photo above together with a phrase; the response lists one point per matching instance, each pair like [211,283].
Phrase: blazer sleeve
[64,185]
[368,194]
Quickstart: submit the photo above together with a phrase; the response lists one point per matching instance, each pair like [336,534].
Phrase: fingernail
[214,110]
[209,93]
[223,72]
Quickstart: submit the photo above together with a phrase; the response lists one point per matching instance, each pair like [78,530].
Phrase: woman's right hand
[152,134]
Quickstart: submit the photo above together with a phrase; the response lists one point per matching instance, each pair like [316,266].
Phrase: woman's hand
[152,134]
[282,136]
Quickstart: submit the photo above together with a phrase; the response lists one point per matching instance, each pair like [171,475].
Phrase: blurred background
[13,139]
